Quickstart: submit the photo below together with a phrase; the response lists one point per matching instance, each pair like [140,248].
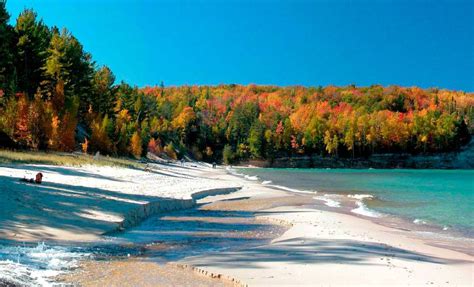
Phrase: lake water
[437,197]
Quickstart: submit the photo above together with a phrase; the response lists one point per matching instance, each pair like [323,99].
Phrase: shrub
[228,154]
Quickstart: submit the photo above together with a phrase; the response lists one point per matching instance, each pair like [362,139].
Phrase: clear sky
[282,42]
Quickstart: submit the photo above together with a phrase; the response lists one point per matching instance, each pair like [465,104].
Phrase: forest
[54,97]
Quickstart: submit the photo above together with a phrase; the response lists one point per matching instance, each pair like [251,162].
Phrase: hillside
[54,97]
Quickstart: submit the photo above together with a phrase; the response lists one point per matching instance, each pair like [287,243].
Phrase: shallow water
[162,238]
[444,198]
[176,235]
[35,265]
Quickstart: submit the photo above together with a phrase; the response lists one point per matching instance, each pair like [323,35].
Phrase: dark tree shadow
[195,232]
[61,170]
[305,251]
[32,207]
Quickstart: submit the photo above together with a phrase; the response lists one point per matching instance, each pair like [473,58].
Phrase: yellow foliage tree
[186,116]
[54,139]
[85,145]
[136,145]
[100,140]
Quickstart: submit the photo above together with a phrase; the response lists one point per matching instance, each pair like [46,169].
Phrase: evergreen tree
[103,98]
[67,64]
[7,52]
[32,45]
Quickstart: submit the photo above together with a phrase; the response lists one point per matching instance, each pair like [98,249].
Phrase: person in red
[38,179]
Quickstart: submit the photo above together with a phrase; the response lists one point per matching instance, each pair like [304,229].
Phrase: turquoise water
[438,197]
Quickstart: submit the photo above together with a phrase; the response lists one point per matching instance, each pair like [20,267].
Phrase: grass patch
[65,159]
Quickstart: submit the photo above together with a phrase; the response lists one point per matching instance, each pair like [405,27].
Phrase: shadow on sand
[242,242]
[302,250]
[29,210]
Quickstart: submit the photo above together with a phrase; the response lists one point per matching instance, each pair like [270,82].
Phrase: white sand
[330,249]
[81,203]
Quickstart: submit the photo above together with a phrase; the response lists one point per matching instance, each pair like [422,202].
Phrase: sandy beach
[303,246]
[323,248]
[82,203]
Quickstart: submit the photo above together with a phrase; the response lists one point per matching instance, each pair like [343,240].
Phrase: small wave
[445,227]
[268,182]
[35,266]
[328,201]
[363,210]
[233,171]
[250,177]
[419,221]
[292,189]
[360,196]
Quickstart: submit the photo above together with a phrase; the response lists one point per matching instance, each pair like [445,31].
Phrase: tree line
[53,96]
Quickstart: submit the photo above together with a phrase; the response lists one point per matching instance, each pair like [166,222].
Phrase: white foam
[328,201]
[234,172]
[292,189]
[268,182]
[363,210]
[250,177]
[360,196]
[35,266]
[419,221]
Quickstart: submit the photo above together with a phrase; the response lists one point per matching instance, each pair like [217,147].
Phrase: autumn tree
[100,138]
[50,88]
[136,145]
[22,132]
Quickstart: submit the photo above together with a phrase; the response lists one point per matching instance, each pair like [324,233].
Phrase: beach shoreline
[367,203]
[397,256]
[414,255]
[315,242]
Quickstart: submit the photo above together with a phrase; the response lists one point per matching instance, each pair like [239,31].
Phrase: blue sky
[282,42]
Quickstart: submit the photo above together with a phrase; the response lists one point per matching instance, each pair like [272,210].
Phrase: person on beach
[38,179]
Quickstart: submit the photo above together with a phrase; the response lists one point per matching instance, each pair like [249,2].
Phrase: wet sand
[154,268]
[139,272]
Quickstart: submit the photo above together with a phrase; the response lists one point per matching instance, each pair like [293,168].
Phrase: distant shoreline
[463,159]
